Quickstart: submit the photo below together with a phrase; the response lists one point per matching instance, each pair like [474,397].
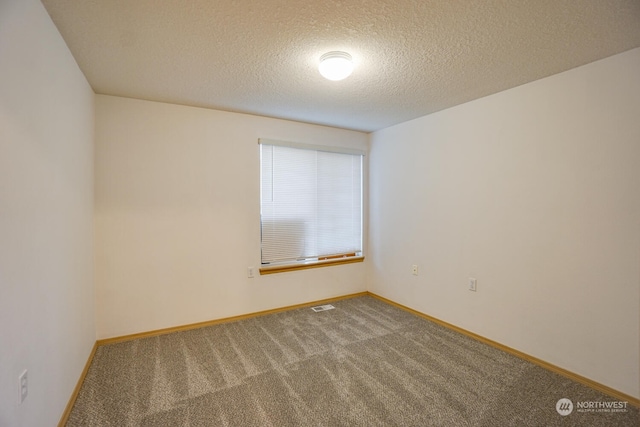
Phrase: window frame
[323,261]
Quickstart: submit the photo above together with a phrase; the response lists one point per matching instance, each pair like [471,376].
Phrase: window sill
[311,264]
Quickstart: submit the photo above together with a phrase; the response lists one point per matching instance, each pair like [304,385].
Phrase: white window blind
[311,202]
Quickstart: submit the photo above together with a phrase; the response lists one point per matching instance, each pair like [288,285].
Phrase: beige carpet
[365,363]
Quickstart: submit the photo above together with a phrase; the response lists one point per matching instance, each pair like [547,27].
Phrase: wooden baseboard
[224,320]
[76,390]
[553,368]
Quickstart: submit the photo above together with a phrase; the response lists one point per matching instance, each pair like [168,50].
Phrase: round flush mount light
[335,65]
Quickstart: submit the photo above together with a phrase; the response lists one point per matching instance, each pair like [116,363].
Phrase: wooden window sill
[271,269]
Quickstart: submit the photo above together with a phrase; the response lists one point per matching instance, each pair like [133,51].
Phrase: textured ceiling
[412,57]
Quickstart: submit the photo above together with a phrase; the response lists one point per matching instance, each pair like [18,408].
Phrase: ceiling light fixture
[335,65]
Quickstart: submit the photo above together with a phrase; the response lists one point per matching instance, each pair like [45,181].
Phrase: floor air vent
[322,308]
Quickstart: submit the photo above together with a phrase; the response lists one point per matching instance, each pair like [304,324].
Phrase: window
[310,204]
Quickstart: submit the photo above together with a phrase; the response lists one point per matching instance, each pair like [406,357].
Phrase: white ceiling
[412,57]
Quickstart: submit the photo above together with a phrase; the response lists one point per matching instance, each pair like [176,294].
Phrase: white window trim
[310,263]
[327,148]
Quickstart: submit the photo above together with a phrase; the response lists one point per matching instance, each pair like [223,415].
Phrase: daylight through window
[311,202]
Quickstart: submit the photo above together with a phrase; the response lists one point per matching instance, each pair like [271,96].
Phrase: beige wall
[46,216]
[177,217]
[534,191]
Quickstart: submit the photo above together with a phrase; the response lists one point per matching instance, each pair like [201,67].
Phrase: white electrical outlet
[23,383]
[250,272]
[414,270]
[473,283]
